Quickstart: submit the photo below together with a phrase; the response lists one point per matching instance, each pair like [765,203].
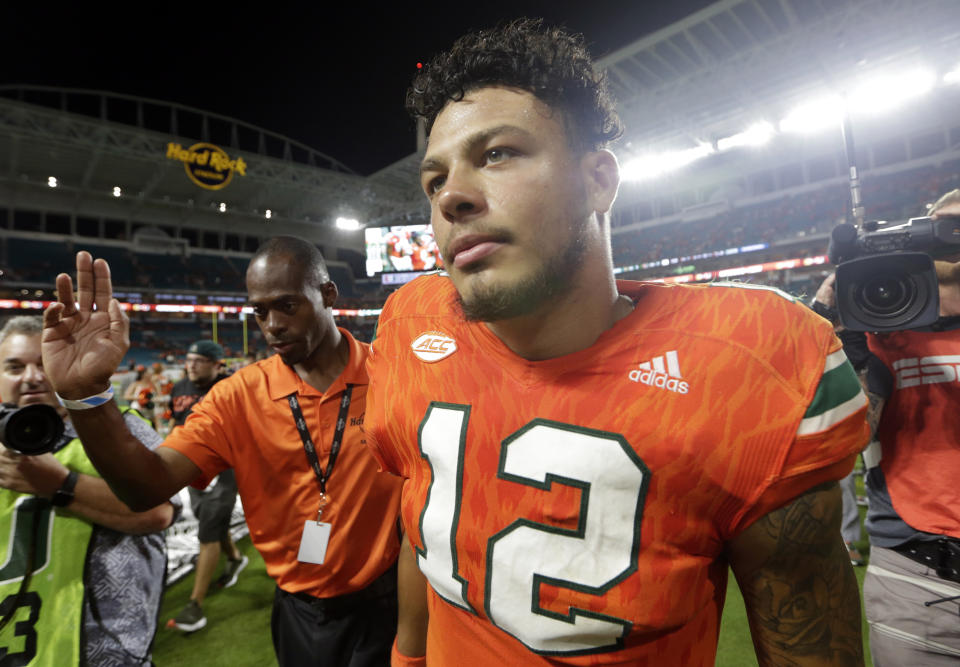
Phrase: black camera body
[32,429]
[886,280]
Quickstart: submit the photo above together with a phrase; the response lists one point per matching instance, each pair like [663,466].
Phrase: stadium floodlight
[652,166]
[953,76]
[52,182]
[223,207]
[891,90]
[268,214]
[814,116]
[117,191]
[348,224]
[755,135]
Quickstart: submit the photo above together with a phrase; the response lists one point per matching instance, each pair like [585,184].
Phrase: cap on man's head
[206,348]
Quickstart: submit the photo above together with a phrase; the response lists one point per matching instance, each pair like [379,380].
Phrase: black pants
[353,630]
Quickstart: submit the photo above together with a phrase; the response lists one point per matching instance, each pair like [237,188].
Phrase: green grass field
[238,624]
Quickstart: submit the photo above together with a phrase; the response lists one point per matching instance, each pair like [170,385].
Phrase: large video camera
[886,280]
[32,429]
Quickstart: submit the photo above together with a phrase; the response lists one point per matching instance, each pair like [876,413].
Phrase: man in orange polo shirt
[323,518]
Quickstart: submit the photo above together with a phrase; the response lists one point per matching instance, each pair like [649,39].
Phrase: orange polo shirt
[244,422]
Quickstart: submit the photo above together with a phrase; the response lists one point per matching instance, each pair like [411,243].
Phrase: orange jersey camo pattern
[575,510]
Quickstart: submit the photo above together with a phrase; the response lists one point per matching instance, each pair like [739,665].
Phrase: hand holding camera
[886,278]
[40,475]
[948,273]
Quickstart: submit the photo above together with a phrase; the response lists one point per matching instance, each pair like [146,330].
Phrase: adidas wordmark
[656,373]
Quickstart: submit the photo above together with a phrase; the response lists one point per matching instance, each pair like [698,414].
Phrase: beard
[492,303]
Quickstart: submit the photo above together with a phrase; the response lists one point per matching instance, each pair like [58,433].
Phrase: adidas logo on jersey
[432,346]
[656,373]
[927,370]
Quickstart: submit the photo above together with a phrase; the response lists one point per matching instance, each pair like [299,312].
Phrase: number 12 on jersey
[594,557]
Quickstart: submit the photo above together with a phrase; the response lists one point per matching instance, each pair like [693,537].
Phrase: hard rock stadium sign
[207,165]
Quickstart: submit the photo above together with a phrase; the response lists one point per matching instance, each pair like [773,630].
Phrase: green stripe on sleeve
[837,386]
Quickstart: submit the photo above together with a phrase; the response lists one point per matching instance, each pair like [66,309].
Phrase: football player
[585,457]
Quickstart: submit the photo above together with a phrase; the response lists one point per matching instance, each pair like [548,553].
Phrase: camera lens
[887,292]
[32,429]
[888,296]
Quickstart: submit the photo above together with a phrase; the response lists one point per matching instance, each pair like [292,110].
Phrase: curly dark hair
[550,63]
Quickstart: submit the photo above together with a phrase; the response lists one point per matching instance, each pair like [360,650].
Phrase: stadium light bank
[873,95]
[348,224]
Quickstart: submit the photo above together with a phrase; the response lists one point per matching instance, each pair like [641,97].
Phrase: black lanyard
[308,446]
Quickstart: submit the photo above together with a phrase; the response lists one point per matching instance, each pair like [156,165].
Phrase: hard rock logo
[207,165]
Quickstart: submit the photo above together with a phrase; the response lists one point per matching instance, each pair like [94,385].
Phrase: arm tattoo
[874,411]
[875,403]
[801,593]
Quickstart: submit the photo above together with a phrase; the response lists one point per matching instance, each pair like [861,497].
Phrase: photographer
[213,506]
[913,520]
[93,593]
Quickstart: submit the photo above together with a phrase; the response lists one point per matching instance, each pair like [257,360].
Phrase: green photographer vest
[45,630]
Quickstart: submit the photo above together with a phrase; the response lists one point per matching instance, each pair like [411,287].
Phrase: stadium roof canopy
[736,63]
[705,77]
[122,157]
[739,61]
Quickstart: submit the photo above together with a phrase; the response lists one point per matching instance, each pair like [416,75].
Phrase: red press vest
[920,428]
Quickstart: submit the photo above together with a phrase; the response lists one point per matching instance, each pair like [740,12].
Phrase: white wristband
[89,402]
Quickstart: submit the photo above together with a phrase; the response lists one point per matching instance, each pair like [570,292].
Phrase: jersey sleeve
[832,431]
[205,436]
[389,372]
[380,372]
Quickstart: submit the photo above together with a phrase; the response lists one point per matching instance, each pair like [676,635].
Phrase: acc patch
[432,346]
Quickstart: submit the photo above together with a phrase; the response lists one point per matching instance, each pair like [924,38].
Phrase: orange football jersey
[575,510]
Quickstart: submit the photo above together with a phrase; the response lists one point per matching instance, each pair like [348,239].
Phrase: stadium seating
[891,197]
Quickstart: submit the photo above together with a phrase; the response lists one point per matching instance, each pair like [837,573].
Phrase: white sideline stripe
[943,590]
[834,360]
[914,639]
[827,419]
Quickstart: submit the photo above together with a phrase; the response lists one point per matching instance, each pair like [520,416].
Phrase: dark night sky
[333,79]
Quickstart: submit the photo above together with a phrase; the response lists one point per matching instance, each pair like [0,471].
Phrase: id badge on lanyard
[316,533]
[313,542]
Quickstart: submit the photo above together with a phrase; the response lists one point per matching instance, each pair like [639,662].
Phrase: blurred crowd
[892,197]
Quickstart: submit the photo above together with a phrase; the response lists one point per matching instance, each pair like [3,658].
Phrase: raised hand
[948,273]
[827,292]
[84,339]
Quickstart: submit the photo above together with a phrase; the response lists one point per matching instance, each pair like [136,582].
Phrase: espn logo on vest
[433,346]
[663,376]
[927,370]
